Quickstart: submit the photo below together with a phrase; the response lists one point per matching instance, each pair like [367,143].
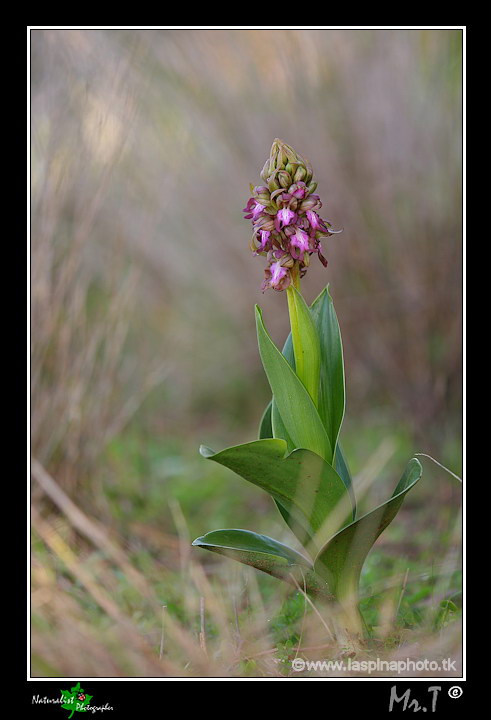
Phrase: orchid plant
[298,459]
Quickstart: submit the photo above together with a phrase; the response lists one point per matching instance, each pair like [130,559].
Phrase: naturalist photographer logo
[74,700]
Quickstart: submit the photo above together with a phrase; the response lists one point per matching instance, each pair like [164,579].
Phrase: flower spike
[284,213]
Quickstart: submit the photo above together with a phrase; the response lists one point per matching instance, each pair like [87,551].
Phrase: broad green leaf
[308,489]
[266,554]
[344,473]
[322,309]
[251,542]
[287,351]
[279,429]
[265,426]
[331,403]
[298,412]
[266,431]
[271,425]
[341,559]
[305,343]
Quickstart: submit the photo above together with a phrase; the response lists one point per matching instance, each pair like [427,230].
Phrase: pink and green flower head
[284,213]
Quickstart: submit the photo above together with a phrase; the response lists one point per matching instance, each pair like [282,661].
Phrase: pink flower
[253,209]
[276,277]
[300,191]
[301,241]
[257,210]
[248,208]
[264,239]
[284,217]
[313,219]
[316,223]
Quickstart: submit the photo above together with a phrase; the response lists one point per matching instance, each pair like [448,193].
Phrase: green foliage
[305,486]
[298,412]
[264,554]
[341,560]
[299,462]
[331,389]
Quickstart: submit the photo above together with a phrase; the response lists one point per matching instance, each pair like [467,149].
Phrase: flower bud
[266,172]
[300,174]
[264,197]
[310,203]
[265,222]
[284,178]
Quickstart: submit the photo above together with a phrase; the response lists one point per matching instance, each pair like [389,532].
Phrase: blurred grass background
[144,143]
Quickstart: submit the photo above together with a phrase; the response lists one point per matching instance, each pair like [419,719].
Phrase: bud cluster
[284,213]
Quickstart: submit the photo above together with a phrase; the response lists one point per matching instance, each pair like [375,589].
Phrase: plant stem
[295,330]
[305,340]
[351,620]
[347,598]
[295,275]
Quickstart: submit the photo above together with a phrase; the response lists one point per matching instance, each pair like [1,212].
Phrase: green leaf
[266,431]
[271,425]
[341,559]
[279,429]
[331,403]
[313,498]
[344,473]
[263,553]
[265,427]
[298,412]
[323,315]
[251,542]
[305,343]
